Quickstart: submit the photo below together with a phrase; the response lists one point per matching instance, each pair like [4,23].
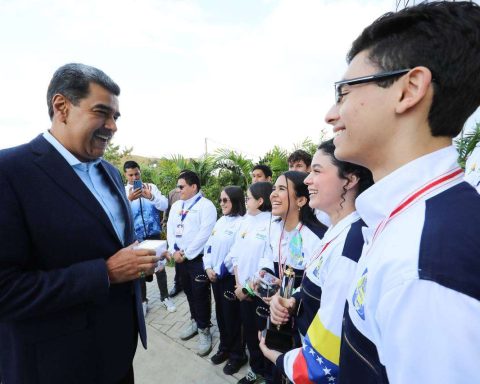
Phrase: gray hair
[73,81]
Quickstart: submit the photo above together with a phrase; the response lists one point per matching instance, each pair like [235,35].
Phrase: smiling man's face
[90,125]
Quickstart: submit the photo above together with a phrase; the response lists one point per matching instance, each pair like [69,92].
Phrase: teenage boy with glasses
[413,308]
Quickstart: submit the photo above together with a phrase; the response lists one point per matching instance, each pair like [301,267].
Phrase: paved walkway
[169,359]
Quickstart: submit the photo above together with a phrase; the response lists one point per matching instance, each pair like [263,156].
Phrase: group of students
[390,291]
[279,230]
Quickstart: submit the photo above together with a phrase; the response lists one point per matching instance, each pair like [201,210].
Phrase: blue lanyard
[183,214]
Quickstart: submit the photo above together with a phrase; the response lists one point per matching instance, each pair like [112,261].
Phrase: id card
[179,230]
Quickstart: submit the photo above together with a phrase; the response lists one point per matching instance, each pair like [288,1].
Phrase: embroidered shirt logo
[261,236]
[318,266]
[358,298]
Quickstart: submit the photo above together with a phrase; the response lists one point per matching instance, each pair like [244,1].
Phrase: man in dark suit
[70,307]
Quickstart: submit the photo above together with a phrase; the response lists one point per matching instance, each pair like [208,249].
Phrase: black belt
[199,256]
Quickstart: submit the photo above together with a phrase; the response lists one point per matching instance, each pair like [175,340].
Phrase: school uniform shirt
[251,244]
[322,217]
[219,243]
[413,308]
[332,270]
[472,168]
[294,248]
[200,218]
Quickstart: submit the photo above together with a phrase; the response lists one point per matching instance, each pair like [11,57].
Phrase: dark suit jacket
[60,321]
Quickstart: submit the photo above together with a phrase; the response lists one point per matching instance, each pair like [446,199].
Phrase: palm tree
[236,166]
[203,167]
[276,159]
[466,144]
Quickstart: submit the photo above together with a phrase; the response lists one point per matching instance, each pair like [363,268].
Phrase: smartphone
[137,184]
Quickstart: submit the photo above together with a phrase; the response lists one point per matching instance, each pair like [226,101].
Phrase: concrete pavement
[169,359]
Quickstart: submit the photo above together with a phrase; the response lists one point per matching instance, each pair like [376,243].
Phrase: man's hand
[280,309]
[134,194]
[179,256]
[211,275]
[129,264]
[147,191]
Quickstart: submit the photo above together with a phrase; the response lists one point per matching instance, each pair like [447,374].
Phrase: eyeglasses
[247,198]
[366,79]
[223,200]
[180,187]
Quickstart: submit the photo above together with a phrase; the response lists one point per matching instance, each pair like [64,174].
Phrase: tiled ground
[171,324]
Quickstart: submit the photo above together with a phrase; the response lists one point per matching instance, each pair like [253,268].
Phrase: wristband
[247,290]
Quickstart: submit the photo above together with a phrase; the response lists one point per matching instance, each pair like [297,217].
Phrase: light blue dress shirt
[95,181]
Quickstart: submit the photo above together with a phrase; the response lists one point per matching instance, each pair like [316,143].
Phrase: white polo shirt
[220,241]
[197,225]
[251,244]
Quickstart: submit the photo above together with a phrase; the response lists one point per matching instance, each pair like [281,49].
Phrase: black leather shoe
[233,366]
[219,357]
[174,291]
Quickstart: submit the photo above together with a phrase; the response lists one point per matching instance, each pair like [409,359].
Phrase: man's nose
[332,115]
[111,124]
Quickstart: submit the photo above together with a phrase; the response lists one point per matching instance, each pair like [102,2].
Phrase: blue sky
[245,74]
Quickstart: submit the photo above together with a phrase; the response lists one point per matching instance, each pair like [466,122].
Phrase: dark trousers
[251,326]
[228,318]
[129,377]
[162,285]
[198,293]
[176,280]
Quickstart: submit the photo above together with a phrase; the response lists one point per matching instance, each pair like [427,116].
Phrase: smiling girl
[333,186]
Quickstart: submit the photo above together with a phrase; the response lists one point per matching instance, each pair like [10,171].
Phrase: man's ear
[416,85]
[60,107]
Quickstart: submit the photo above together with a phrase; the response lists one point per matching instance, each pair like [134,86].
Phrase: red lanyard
[280,263]
[417,196]
[319,253]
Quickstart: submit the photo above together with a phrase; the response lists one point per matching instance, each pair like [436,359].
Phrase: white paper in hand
[159,246]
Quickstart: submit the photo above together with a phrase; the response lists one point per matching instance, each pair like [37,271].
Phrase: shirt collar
[378,201]
[67,155]
[334,230]
[193,198]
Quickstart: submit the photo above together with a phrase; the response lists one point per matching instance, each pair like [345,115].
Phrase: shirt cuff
[280,363]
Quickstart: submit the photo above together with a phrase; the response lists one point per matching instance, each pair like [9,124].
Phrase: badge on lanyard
[179,230]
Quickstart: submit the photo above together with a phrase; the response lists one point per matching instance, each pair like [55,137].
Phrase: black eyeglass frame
[366,79]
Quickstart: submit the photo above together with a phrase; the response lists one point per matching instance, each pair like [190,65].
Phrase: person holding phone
[147,203]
